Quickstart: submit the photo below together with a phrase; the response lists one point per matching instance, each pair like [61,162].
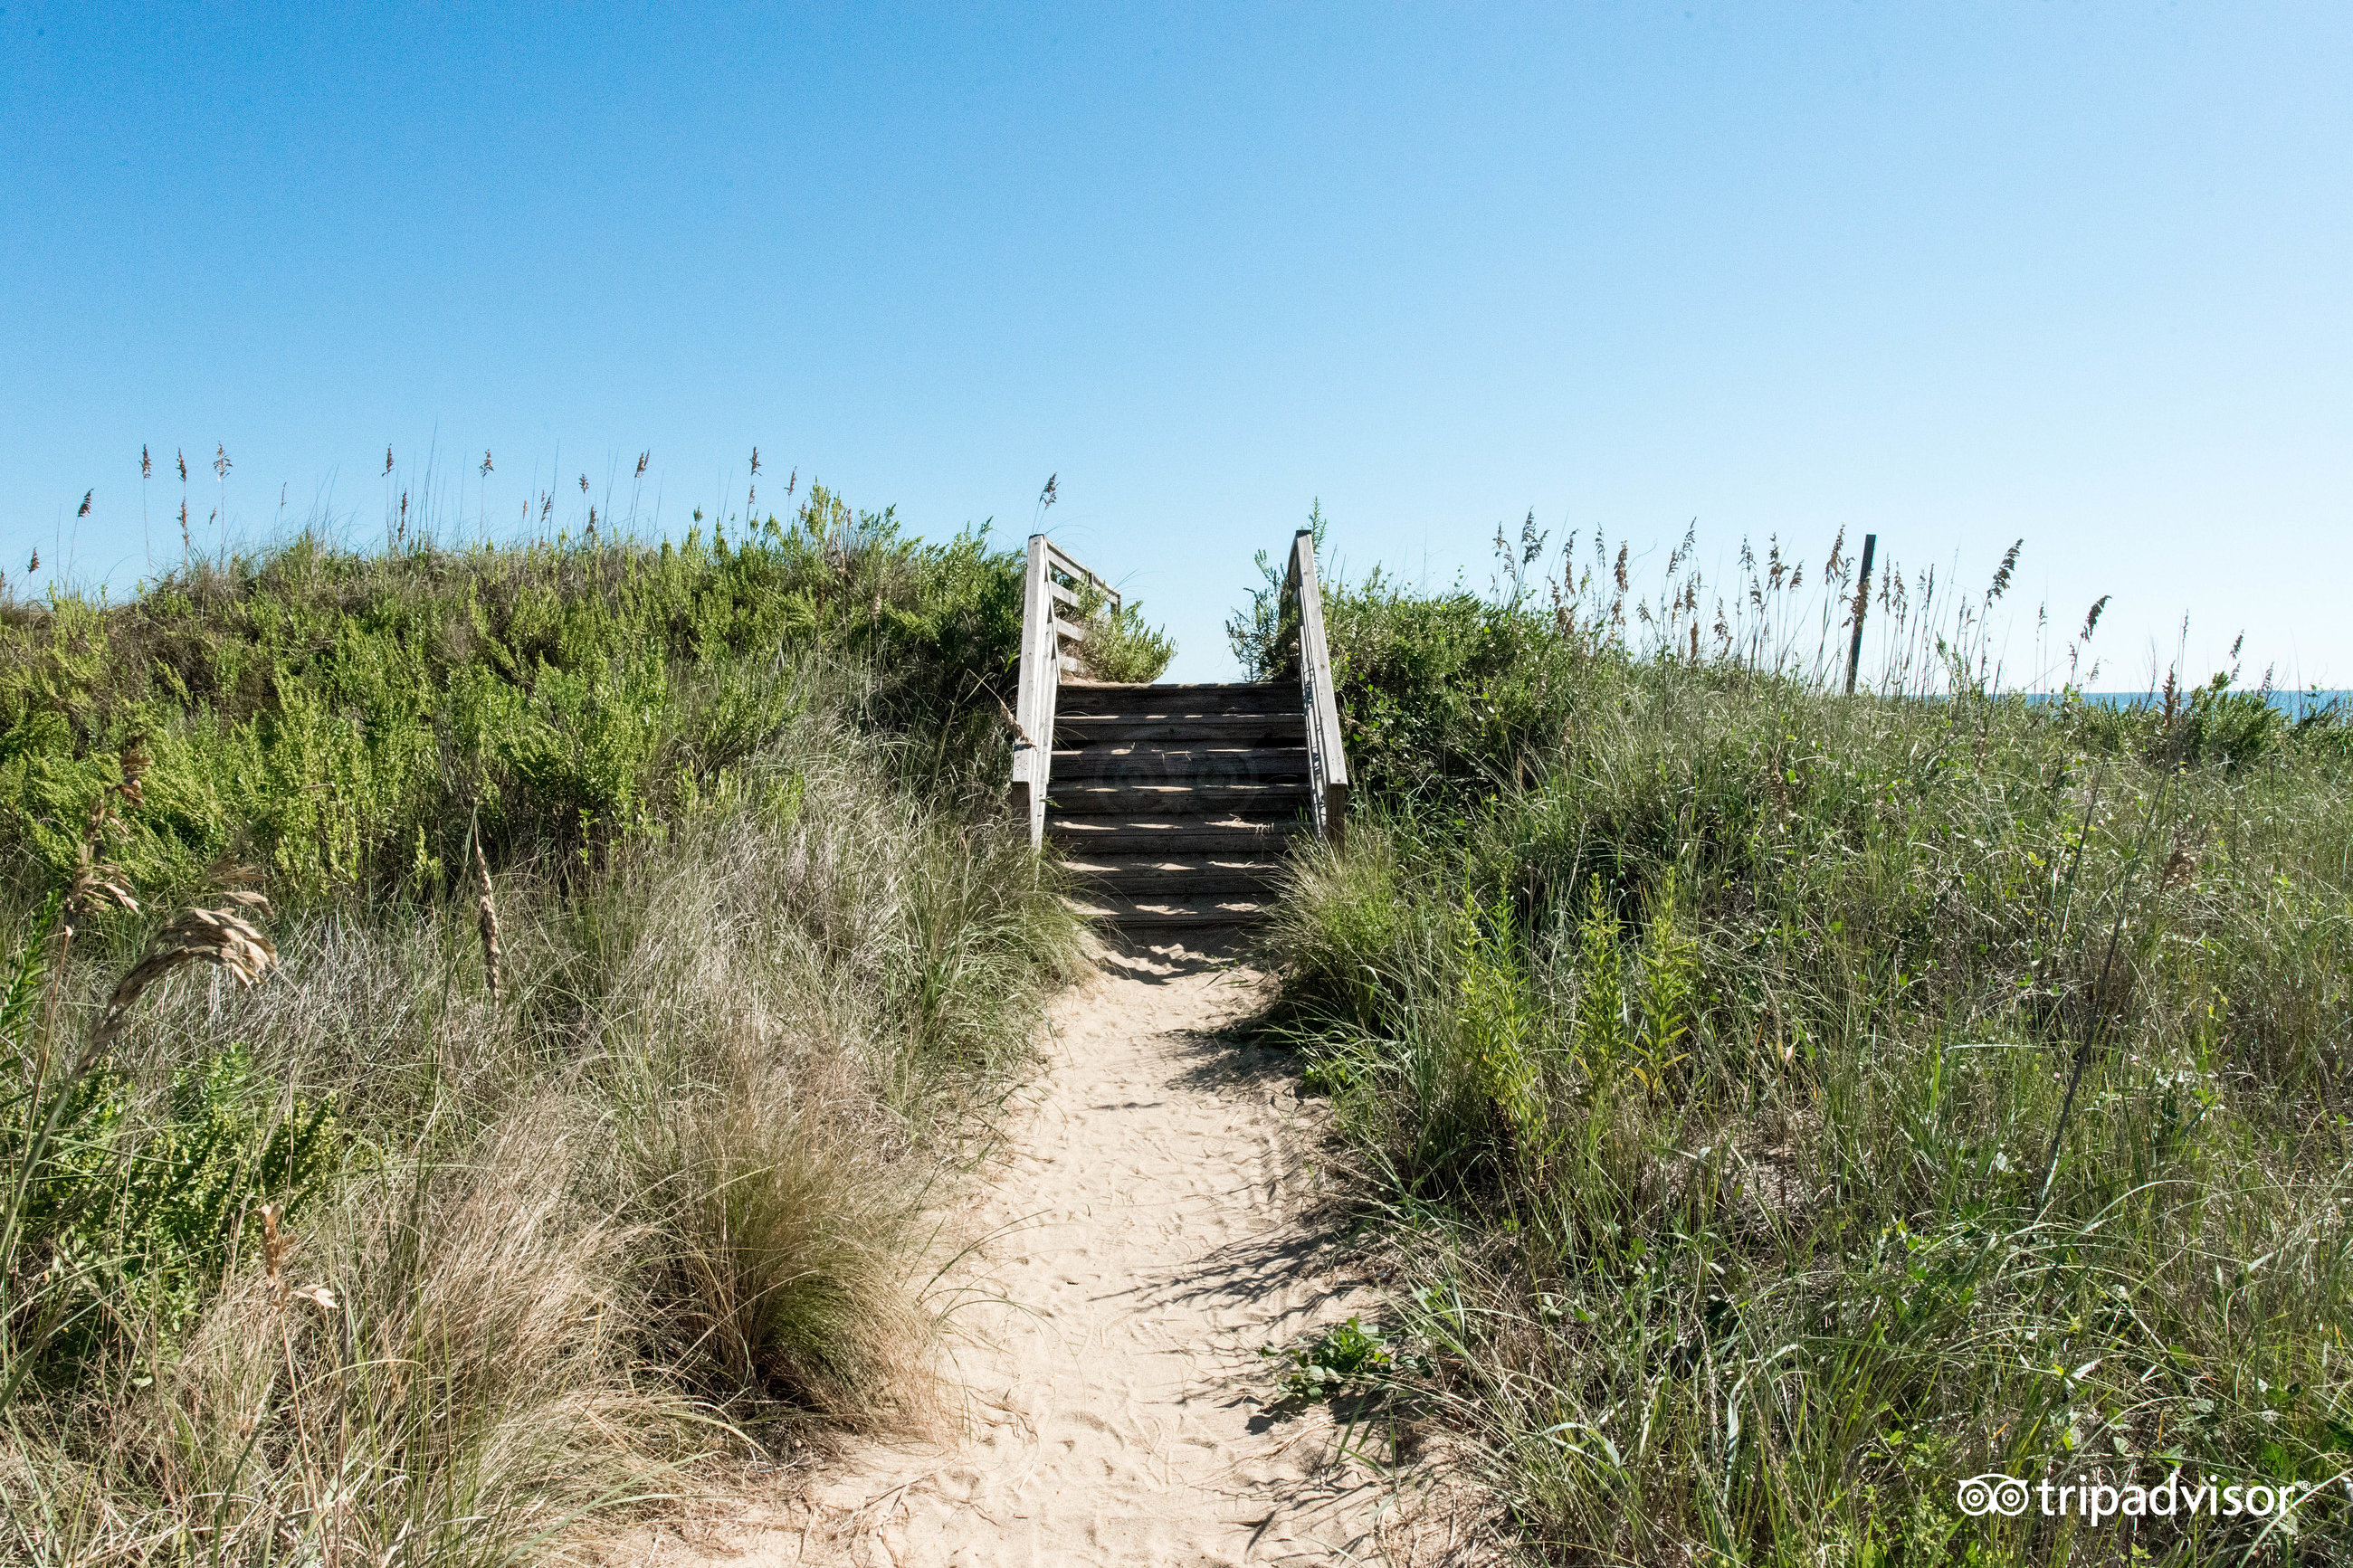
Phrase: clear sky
[1953,274]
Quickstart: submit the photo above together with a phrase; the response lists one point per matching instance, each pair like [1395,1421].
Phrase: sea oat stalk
[486,918]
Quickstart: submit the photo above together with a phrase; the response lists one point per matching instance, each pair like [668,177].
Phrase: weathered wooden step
[1103,797]
[1152,913]
[1172,876]
[1180,763]
[1212,728]
[1205,834]
[1080,699]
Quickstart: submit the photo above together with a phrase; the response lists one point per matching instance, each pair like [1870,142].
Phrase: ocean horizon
[2294,705]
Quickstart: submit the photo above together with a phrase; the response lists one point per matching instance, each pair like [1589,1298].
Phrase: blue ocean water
[2293,705]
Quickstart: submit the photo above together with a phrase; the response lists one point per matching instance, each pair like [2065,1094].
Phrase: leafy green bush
[110,1217]
[1120,644]
[2232,728]
[1439,694]
[143,1220]
[354,720]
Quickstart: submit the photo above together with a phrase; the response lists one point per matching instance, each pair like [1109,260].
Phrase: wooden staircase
[1171,806]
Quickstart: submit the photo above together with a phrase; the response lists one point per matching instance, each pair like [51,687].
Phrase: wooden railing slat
[1327,759]
[1064,562]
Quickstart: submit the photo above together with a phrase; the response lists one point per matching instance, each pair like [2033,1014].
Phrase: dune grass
[643,937]
[1787,1106]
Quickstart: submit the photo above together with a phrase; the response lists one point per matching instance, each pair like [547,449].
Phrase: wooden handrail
[1327,761]
[1044,632]
[1067,564]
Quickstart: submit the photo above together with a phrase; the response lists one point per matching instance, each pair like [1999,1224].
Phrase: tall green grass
[418,1251]
[1788,1106]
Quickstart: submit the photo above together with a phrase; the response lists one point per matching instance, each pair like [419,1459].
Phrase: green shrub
[1439,693]
[112,1217]
[351,720]
[147,1218]
[1120,644]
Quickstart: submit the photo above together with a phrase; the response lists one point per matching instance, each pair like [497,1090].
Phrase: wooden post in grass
[1862,603]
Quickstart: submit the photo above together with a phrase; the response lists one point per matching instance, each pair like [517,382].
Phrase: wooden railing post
[1327,761]
[1861,606]
[1033,714]
[1043,633]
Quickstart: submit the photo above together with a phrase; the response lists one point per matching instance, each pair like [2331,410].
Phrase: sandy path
[1149,1237]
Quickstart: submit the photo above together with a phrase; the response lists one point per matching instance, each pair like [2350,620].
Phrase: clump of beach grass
[1785,1106]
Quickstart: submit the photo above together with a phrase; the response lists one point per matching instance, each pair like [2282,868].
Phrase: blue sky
[1955,275]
